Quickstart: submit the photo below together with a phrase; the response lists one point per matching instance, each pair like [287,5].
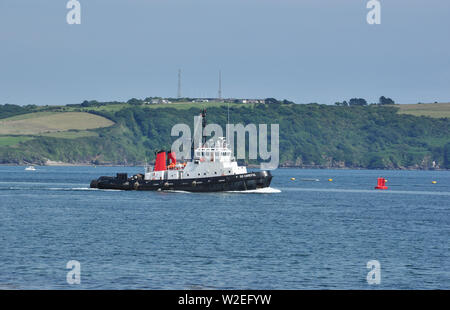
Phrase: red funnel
[160,164]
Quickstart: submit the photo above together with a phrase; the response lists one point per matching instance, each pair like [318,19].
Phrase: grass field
[48,122]
[28,116]
[437,110]
[70,134]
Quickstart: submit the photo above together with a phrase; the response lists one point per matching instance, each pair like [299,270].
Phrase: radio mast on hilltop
[179,84]
[220,84]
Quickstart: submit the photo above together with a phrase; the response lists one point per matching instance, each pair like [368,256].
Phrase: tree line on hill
[362,102]
[8,110]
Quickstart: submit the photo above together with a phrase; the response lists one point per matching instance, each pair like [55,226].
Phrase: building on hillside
[159,101]
[200,100]
[252,101]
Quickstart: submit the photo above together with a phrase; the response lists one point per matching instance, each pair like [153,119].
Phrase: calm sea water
[311,235]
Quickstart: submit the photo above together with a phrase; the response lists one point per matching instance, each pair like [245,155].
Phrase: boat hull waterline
[238,182]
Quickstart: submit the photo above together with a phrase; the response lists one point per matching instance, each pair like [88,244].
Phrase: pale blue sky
[305,50]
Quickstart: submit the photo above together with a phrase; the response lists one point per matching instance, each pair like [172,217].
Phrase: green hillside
[310,135]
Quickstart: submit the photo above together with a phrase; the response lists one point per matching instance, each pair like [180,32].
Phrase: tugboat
[212,169]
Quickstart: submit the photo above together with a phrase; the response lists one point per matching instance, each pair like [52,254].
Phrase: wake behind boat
[212,169]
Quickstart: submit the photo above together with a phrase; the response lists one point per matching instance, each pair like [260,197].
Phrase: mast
[203,115]
[203,126]
[179,84]
[220,86]
[228,121]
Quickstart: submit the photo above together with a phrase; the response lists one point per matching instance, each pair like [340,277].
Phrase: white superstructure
[211,160]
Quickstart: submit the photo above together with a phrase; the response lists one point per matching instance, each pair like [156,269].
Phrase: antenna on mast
[179,84]
[228,120]
[228,111]
[220,85]
[203,126]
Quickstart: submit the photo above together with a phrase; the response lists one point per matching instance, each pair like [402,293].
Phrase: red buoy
[381,184]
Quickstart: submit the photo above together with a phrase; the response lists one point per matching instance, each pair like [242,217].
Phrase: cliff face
[311,136]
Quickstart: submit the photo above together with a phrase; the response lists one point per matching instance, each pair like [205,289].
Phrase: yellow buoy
[331,180]
[434,182]
[293,179]
[385,180]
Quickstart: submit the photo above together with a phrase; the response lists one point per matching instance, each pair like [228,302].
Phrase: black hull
[239,182]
